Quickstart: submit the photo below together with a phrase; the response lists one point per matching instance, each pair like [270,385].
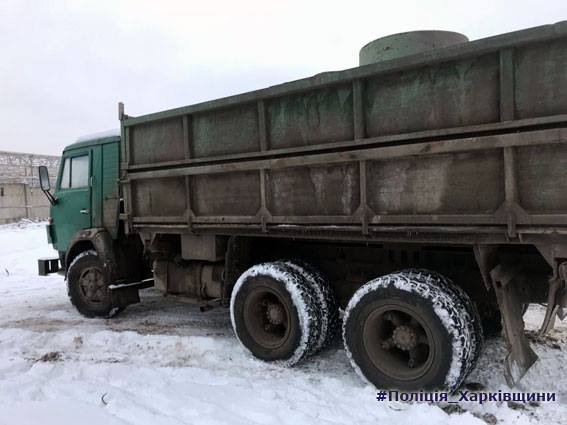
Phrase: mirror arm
[52,199]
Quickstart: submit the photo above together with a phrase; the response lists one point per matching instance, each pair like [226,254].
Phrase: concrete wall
[18,200]
[20,195]
[18,167]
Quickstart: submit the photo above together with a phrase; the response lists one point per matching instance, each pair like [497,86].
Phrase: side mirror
[44,178]
[45,184]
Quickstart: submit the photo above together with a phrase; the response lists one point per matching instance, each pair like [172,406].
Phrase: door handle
[84,211]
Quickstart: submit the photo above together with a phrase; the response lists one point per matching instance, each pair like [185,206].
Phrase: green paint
[88,175]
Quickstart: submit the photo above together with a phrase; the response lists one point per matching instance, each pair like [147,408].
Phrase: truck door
[73,210]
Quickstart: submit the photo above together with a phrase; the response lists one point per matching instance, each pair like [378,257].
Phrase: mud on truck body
[414,203]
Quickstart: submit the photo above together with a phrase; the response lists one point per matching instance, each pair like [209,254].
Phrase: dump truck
[415,204]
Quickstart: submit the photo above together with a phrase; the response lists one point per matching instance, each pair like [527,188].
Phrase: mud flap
[556,300]
[124,295]
[520,355]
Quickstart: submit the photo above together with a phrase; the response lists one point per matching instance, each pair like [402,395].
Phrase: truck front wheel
[87,286]
[408,333]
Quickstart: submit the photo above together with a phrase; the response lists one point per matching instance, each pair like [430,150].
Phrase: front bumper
[46,266]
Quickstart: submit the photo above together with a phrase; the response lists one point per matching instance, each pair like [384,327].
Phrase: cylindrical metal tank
[407,43]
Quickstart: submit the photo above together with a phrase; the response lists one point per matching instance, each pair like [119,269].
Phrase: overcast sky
[66,64]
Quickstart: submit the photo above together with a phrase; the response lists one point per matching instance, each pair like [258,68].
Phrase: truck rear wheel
[403,332]
[87,286]
[326,302]
[274,313]
[474,323]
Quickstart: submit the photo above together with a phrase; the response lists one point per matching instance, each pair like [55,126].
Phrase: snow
[81,255]
[164,362]
[99,135]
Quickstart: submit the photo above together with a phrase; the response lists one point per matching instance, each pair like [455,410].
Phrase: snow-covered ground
[164,362]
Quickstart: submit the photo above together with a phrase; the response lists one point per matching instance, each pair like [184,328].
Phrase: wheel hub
[267,318]
[397,342]
[275,314]
[404,337]
[92,285]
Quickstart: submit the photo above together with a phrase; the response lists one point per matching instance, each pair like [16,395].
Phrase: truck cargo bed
[463,144]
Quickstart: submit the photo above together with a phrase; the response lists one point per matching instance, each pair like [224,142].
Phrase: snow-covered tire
[474,321]
[87,286]
[274,313]
[326,302]
[404,332]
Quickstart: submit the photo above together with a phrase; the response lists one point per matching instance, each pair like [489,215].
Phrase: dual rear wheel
[409,330]
[412,330]
[283,311]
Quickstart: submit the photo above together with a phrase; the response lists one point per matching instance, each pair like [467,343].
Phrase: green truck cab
[86,190]
[84,218]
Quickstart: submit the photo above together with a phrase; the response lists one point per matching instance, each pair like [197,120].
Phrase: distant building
[20,195]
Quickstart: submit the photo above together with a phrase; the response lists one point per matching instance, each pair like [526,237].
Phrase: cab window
[75,172]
